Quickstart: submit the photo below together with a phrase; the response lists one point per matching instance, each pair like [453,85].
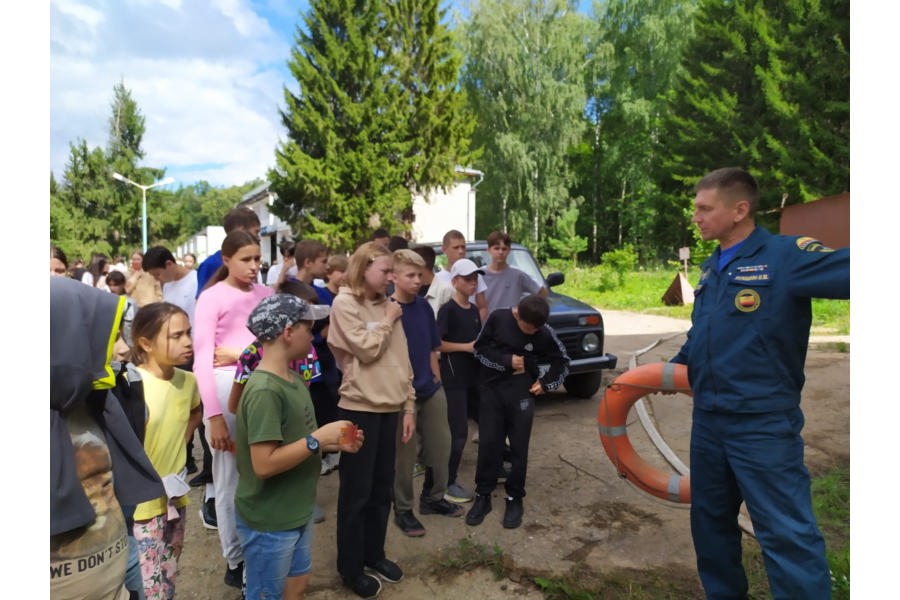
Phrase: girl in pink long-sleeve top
[220,335]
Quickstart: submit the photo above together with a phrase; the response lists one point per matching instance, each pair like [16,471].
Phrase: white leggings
[225,474]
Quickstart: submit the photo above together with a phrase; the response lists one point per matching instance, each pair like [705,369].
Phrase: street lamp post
[144,188]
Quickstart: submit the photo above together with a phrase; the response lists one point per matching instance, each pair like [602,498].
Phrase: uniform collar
[751,244]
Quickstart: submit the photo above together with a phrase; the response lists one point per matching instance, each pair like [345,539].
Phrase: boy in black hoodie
[521,358]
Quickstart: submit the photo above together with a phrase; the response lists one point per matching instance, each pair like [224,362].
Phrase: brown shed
[826,219]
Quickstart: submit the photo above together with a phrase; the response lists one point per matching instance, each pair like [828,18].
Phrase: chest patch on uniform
[752,273]
[808,244]
[747,300]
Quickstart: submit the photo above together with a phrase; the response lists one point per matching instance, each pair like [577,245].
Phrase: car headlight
[590,343]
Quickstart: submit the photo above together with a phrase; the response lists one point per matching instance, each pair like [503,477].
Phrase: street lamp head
[118,176]
[167,181]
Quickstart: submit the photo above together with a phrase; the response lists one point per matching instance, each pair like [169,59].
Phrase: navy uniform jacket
[747,344]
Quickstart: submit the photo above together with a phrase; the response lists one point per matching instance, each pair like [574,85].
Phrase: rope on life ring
[618,398]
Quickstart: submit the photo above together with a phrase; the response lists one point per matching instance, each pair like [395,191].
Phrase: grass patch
[467,555]
[831,316]
[642,291]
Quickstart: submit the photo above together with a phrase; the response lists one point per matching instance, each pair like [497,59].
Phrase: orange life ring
[618,398]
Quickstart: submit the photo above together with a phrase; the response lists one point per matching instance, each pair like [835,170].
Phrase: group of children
[284,381]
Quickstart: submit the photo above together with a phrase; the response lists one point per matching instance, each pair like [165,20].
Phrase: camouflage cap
[277,312]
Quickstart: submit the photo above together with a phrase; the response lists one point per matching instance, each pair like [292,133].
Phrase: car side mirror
[555,278]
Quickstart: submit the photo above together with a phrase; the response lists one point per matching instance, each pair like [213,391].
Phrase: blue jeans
[270,557]
[134,581]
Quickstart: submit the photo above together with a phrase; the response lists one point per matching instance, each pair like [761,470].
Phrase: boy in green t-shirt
[276,436]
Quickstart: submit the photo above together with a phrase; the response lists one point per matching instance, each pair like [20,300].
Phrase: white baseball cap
[464,267]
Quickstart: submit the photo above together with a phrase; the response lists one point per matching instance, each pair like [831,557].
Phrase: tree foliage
[638,44]
[567,242]
[591,132]
[377,114]
[426,63]
[80,210]
[91,212]
[523,75]
[765,87]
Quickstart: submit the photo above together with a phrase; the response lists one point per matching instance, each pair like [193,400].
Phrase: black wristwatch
[313,444]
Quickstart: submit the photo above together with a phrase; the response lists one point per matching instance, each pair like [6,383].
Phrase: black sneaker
[409,524]
[479,510]
[385,569]
[191,466]
[440,507]
[365,586]
[235,577]
[208,514]
[202,479]
[512,518]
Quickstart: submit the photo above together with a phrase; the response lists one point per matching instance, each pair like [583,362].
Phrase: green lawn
[642,291]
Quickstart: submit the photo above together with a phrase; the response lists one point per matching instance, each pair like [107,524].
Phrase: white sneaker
[318,514]
[330,463]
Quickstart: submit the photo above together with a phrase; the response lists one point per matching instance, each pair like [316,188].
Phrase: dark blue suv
[578,326]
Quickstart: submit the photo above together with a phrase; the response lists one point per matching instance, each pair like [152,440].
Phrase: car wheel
[584,385]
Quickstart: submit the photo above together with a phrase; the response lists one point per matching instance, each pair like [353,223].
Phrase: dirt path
[578,513]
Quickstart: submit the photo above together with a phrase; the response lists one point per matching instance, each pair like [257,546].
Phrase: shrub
[617,263]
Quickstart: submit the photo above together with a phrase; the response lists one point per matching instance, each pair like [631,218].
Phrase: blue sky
[208,76]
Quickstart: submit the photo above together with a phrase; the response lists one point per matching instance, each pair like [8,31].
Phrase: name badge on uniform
[752,274]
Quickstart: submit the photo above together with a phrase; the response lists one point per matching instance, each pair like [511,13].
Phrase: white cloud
[245,20]
[79,11]
[208,79]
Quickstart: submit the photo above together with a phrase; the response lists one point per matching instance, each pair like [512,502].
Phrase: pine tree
[765,86]
[91,212]
[80,208]
[361,129]
[426,65]
[567,242]
[123,152]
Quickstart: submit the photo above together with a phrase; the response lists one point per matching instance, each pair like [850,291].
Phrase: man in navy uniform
[745,354]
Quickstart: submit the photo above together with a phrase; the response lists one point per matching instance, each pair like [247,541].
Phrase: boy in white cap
[458,323]
[278,444]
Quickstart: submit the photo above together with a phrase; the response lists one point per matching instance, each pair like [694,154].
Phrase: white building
[434,214]
[202,243]
[272,229]
[437,212]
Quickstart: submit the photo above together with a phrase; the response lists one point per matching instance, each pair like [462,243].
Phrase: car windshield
[518,258]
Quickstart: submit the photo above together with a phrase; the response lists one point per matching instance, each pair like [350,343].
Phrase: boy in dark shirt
[431,403]
[459,323]
[521,358]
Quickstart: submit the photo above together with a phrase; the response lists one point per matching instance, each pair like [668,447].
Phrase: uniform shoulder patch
[808,244]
